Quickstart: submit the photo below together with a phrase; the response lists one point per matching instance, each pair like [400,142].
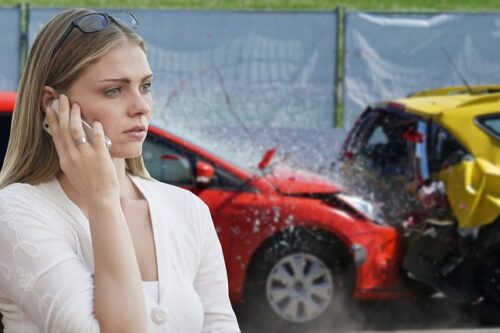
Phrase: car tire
[300,279]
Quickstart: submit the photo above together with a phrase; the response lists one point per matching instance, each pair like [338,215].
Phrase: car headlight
[366,208]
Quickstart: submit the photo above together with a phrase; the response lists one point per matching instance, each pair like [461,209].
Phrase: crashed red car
[294,243]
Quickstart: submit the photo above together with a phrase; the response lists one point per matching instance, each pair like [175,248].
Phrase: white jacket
[46,262]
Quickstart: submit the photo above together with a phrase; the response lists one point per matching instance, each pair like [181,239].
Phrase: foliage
[392,5]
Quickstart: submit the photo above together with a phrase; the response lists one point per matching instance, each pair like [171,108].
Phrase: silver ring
[81,141]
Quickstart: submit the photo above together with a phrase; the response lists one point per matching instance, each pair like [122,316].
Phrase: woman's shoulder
[18,197]
[16,192]
[22,202]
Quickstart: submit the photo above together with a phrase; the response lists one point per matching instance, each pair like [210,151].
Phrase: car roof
[430,103]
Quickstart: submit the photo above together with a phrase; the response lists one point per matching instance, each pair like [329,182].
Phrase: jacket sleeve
[40,270]
[211,280]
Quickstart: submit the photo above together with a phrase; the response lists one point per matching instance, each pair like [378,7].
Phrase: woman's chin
[125,153]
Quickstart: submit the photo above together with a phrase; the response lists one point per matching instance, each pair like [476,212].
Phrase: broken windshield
[380,152]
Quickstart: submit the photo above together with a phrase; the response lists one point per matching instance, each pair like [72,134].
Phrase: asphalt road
[424,315]
[478,330]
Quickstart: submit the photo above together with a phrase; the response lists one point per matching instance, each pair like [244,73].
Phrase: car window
[380,144]
[360,131]
[378,137]
[172,164]
[166,164]
[445,150]
[380,156]
[490,124]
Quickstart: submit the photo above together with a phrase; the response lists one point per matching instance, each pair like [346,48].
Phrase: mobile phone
[89,133]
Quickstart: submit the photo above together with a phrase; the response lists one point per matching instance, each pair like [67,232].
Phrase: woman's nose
[140,104]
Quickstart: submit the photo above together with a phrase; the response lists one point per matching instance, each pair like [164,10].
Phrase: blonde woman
[88,241]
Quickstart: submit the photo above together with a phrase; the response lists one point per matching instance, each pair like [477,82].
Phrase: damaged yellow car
[432,163]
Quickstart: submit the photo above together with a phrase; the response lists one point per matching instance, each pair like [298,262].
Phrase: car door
[226,195]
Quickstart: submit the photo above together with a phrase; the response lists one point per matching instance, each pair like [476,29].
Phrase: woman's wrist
[103,201]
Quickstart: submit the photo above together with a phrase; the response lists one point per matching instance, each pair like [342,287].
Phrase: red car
[293,243]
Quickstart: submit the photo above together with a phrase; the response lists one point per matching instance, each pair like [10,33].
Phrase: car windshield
[490,124]
[379,156]
[379,142]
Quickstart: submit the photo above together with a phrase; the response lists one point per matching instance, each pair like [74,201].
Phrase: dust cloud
[378,316]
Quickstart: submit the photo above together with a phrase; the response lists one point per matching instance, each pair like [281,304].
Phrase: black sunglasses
[94,22]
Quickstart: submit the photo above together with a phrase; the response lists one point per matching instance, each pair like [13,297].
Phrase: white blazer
[46,262]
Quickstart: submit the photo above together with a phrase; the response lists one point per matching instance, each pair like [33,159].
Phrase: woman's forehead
[124,61]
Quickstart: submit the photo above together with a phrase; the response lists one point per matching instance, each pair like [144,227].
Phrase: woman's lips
[136,132]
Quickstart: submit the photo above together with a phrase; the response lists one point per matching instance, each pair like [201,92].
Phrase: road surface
[429,315]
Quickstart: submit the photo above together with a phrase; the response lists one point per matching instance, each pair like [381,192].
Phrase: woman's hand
[88,166]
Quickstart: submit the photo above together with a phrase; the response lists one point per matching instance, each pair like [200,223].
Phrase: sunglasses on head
[94,22]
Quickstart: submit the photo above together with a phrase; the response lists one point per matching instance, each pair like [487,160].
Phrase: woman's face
[116,92]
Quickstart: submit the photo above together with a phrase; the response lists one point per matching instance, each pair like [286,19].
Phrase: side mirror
[204,173]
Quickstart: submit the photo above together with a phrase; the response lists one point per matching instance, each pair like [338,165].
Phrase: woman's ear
[48,95]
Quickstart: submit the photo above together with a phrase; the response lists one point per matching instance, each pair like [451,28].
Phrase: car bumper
[377,257]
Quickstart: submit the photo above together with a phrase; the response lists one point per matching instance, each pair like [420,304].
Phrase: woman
[88,241]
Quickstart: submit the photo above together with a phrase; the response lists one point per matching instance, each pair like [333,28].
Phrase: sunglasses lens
[93,22]
[124,18]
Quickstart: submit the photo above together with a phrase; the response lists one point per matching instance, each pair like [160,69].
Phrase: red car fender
[377,273]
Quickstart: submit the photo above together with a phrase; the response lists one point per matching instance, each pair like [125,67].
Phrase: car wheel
[299,279]
[299,287]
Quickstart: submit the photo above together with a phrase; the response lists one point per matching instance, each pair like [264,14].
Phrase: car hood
[293,181]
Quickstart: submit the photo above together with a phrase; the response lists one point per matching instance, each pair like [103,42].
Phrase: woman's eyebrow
[125,80]
[122,80]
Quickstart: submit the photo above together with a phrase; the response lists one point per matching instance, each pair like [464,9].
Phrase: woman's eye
[146,87]
[113,91]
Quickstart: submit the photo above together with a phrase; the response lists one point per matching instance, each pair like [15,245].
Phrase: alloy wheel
[299,287]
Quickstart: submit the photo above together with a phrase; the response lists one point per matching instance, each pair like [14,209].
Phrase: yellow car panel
[473,191]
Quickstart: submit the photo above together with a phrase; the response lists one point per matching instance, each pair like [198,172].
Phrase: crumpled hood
[294,181]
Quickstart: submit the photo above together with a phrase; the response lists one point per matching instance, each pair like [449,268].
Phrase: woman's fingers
[98,138]
[58,119]
[70,125]
[76,127]
[64,116]
[67,129]
[53,122]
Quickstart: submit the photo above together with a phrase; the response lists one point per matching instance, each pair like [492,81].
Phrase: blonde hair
[31,156]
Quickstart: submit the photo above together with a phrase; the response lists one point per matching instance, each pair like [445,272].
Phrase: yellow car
[432,162]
